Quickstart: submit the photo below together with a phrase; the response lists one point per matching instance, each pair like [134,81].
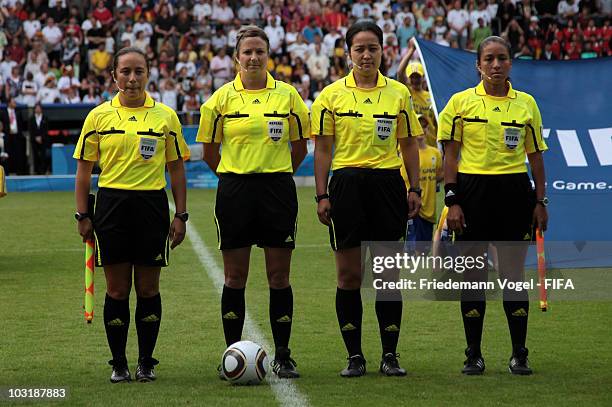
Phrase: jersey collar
[480,90]
[149,102]
[349,81]
[270,82]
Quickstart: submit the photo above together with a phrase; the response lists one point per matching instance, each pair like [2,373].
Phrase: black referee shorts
[132,227]
[496,207]
[367,205]
[256,209]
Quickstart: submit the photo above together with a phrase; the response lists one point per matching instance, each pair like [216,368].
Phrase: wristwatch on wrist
[543,201]
[321,197]
[184,216]
[81,215]
[416,190]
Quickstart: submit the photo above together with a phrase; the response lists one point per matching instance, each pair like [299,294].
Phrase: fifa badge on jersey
[147,147]
[275,129]
[384,127]
[512,135]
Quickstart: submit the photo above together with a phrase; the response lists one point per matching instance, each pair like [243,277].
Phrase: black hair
[487,41]
[360,27]
[129,50]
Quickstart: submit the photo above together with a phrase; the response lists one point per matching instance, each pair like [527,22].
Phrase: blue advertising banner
[574,99]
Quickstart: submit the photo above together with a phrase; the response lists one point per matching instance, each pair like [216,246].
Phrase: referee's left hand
[540,217]
[177,232]
[414,204]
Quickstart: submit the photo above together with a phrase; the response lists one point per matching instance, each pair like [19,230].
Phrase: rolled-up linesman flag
[541,269]
[89,267]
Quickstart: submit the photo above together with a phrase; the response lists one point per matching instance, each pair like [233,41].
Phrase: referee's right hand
[455,219]
[323,211]
[85,228]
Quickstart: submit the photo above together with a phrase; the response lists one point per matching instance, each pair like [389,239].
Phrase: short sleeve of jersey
[299,121]
[450,125]
[534,140]
[322,116]
[176,147]
[408,125]
[87,146]
[211,126]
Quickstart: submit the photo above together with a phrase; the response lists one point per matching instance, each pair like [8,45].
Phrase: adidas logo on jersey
[497,109]
[473,314]
[159,257]
[256,102]
[284,318]
[367,101]
[392,328]
[230,315]
[150,318]
[527,236]
[115,322]
[289,239]
[520,313]
[450,193]
[132,119]
[348,327]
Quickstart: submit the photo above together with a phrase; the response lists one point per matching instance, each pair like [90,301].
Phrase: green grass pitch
[44,341]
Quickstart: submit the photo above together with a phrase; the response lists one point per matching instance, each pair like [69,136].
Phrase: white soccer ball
[244,362]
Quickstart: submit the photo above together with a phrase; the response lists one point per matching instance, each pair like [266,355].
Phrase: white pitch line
[285,391]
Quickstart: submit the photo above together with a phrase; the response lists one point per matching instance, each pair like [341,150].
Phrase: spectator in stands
[16,52]
[222,13]
[169,94]
[479,33]
[201,9]
[29,90]
[318,64]
[153,91]
[276,35]
[53,38]
[103,14]
[359,8]
[249,12]
[311,30]
[59,12]
[42,75]
[70,46]
[298,49]
[31,26]
[567,10]
[92,96]
[335,19]
[458,21]
[164,26]
[68,84]
[481,12]
[221,68]
[219,39]
[12,85]
[185,63]
[100,59]
[406,31]
[39,140]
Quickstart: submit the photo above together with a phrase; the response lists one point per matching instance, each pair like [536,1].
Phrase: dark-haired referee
[134,138]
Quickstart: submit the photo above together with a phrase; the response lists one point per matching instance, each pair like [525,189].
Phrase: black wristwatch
[81,215]
[416,191]
[184,216]
[321,197]
[543,201]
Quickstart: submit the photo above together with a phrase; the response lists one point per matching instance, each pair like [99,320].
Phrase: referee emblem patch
[275,130]
[384,127]
[147,147]
[512,135]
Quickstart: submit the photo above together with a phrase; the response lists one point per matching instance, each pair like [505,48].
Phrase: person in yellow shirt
[420,229]
[494,127]
[412,75]
[134,139]
[357,123]
[100,59]
[263,126]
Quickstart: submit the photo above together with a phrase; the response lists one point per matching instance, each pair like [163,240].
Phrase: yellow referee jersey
[254,126]
[495,132]
[132,145]
[430,161]
[421,104]
[365,123]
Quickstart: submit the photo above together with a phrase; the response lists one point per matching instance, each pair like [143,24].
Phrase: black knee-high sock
[517,313]
[232,313]
[389,314]
[473,313]
[281,315]
[116,324]
[148,318]
[350,311]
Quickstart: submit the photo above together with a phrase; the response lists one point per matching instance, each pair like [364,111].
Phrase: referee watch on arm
[81,216]
[319,198]
[184,216]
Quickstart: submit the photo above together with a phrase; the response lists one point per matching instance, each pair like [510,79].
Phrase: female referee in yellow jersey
[358,122]
[134,138]
[492,127]
[263,126]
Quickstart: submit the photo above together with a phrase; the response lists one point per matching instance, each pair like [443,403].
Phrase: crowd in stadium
[59,51]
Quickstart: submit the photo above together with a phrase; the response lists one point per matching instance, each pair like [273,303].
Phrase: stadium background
[45,341]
